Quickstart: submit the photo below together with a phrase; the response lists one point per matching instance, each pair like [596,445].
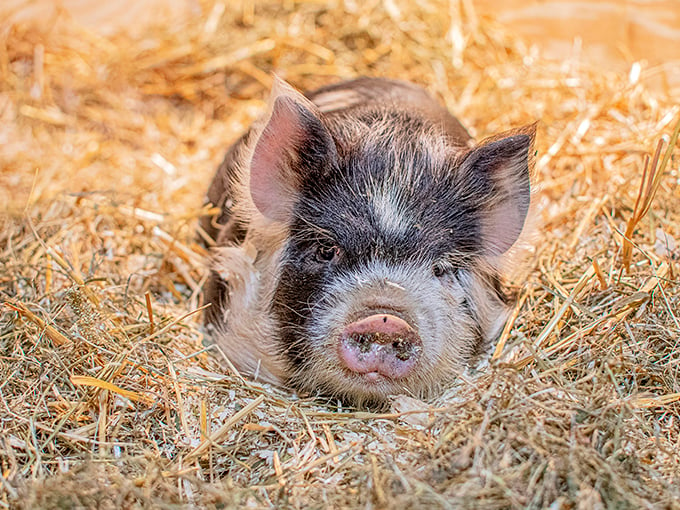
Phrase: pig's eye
[442,268]
[327,253]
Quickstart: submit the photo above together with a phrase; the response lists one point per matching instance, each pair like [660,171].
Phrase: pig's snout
[381,344]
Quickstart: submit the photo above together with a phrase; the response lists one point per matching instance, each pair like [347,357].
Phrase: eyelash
[443,267]
[325,254]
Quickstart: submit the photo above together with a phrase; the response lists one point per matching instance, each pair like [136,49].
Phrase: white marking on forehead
[390,208]
[388,196]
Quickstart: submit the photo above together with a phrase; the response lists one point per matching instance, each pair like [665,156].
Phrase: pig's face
[384,284]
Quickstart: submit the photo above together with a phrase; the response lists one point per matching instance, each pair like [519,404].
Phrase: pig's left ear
[293,146]
[499,170]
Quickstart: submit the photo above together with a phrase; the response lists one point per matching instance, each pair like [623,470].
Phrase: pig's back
[349,97]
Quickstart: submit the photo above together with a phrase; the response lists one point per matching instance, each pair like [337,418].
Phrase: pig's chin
[364,389]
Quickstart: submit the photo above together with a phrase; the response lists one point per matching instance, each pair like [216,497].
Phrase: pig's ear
[500,171]
[294,145]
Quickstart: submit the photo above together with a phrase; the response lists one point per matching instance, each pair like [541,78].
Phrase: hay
[108,397]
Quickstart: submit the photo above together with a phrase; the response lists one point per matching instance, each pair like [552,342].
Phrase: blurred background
[611,33]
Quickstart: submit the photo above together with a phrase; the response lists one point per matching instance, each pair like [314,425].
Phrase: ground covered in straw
[109,396]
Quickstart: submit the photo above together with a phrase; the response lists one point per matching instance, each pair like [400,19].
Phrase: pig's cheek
[435,321]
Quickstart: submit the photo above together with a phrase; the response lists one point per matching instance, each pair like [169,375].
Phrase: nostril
[363,341]
[403,349]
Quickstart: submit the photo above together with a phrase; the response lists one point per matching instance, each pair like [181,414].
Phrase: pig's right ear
[498,172]
[293,146]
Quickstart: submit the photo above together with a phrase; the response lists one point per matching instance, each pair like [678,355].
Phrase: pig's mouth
[380,347]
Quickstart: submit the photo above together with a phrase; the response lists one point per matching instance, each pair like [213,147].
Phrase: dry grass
[108,397]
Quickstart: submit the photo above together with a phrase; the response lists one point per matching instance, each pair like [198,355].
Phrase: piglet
[360,241]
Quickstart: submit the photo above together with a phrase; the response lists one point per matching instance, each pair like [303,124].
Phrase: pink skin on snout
[380,345]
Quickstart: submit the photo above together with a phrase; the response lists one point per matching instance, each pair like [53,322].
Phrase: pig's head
[386,283]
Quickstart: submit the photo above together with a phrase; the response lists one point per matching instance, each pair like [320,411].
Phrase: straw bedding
[109,396]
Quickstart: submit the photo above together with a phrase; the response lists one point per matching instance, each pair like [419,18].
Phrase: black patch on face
[299,287]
